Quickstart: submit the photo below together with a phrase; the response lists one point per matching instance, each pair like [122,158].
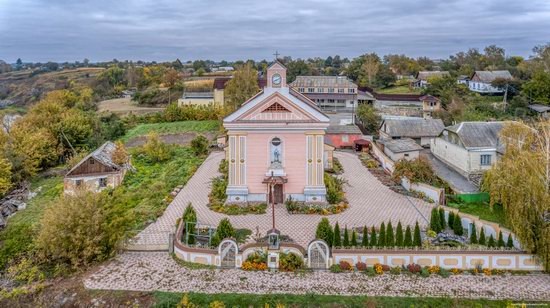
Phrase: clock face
[276,79]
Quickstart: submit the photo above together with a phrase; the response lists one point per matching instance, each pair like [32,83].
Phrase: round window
[276,141]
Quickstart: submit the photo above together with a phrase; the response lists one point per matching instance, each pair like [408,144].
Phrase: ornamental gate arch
[318,254]
[228,254]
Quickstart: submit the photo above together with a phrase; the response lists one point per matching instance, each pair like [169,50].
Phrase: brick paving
[151,271]
[370,201]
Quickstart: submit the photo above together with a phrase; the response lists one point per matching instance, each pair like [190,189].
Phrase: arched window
[276,150]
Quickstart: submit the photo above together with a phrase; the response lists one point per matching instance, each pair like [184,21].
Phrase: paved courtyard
[151,271]
[371,203]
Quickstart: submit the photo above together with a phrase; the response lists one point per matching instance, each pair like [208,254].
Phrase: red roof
[361,142]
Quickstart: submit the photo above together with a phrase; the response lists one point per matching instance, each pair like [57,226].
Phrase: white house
[422,78]
[481,81]
[470,148]
[422,131]
[397,149]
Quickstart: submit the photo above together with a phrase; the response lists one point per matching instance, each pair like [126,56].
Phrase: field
[172,128]
[398,90]
[20,83]
[124,106]
[483,210]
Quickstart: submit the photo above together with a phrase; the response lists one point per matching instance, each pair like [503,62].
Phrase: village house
[343,136]
[470,148]
[423,77]
[481,81]
[397,149]
[96,172]
[212,96]
[276,145]
[421,130]
[331,93]
[430,104]
[541,110]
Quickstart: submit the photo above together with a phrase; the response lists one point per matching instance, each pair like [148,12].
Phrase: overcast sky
[69,30]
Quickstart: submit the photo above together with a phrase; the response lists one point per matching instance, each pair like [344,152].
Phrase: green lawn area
[165,300]
[483,210]
[172,128]
[398,90]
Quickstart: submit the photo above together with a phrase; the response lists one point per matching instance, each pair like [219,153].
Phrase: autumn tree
[520,181]
[370,67]
[5,176]
[370,119]
[120,155]
[242,86]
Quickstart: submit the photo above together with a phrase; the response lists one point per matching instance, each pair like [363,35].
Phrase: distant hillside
[24,87]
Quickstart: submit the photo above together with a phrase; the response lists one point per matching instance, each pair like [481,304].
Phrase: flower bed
[297,207]
[256,261]
[239,208]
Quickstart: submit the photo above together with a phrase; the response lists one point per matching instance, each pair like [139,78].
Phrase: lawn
[165,300]
[398,90]
[172,128]
[483,210]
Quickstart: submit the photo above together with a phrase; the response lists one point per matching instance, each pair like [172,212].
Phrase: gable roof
[478,134]
[429,98]
[489,76]
[323,82]
[401,145]
[412,127]
[103,155]
[424,75]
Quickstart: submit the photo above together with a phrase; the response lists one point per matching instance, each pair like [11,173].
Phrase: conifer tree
[500,239]
[473,236]
[373,240]
[442,222]
[491,242]
[435,221]
[417,241]
[408,237]
[337,238]
[346,237]
[457,225]
[510,241]
[365,240]
[382,236]
[482,238]
[353,238]
[324,231]
[451,219]
[399,235]
[390,239]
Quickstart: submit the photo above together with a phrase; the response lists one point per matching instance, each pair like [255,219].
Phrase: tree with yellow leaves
[120,155]
[242,86]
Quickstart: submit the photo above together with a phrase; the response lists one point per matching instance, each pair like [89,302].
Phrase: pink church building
[276,137]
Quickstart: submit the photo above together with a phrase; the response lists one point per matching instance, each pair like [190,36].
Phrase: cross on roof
[276,54]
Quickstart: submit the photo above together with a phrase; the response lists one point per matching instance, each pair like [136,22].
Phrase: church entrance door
[277,194]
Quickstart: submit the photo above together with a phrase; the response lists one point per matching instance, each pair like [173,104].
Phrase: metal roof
[401,145]
[103,154]
[424,75]
[489,76]
[323,82]
[412,127]
[344,129]
[539,108]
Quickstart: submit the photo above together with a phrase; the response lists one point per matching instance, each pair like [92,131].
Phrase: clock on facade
[276,79]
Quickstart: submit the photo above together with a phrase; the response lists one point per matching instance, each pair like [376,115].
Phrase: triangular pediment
[275,108]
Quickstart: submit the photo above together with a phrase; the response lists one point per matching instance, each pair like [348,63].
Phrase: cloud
[60,30]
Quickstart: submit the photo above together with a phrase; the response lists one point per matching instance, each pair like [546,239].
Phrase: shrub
[431,233]
[336,237]
[224,230]
[482,239]
[289,262]
[25,272]
[251,266]
[370,271]
[365,239]
[386,268]
[435,221]
[473,236]
[199,145]
[335,268]
[345,266]
[510,241]
[417,240]
[218,191]
[378,269]
[491,241]
[361,266]
[382,236]
[353,239]
[155,149]
[395,270]
[451,219]
[373,240]
[346,238]
[399,235]
[424,272]
[414,268]
[457,225]
[335,189]
[189,217]
[324,231]
[390,239]
[120,155]
[442,223]
[81,229]
[444,273]
[500,240]
[407,242]
[418,170]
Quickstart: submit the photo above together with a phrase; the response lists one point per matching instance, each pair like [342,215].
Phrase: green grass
[166,299]
[483,210]
[398,90]
[172,128]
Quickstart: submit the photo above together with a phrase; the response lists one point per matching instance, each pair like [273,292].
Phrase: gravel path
[150,271]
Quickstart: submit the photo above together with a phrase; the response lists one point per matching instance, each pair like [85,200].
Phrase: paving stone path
[150,271]
[370,201]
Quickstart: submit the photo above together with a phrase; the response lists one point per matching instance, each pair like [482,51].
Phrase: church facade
[276,145]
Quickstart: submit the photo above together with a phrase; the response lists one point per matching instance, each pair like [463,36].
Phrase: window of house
[102,182]
[345,138]
[340,90]
[78,183]
[311,90]
[331,90]
[331,101]
[92,161]
[301,90]
[320,90]
[485,159]
[406,155]
[351,90]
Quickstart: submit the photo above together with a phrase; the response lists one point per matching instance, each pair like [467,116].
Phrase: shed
[405,148]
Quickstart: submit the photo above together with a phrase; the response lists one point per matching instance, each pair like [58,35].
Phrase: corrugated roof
[424,75]
[539,108]
[103,154]
[478,134]
[489,76]
[344,129]
[401,145]
[323,82]
[412,127]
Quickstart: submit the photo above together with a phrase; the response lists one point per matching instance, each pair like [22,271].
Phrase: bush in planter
[335,268]
[289,262]
[336,237]
[510,241]
[473,236]
[399,235]
[457,225]
[407,242]
[370,271]
[224,230]
[491,241]
[442,221]
[189,216]
[435,221]
[414,268]
[500,240]
[345,266]
[373,240]
[417,240]
[451,219]
[361,266]
[395,270]
[431,233]
[390,239]
[482,239]
[346,238]
[382,236]
[324,231]
[353,239]
[444,273]
[424,272]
